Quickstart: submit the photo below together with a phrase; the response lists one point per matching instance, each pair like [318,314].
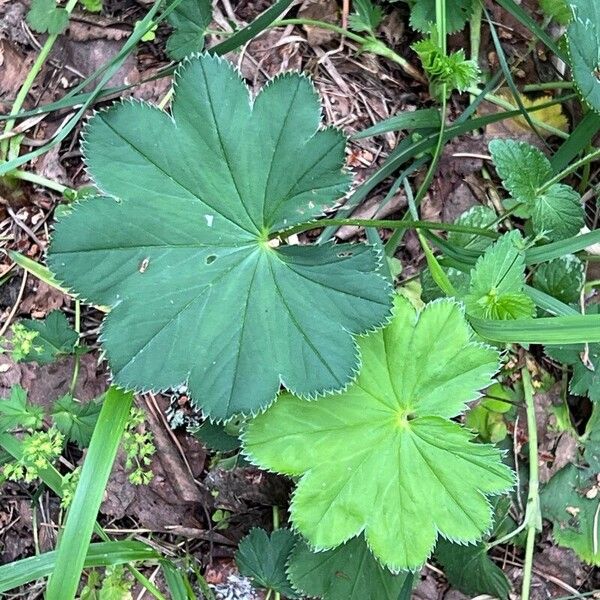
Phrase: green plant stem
[570,169]
[551,85]
[368,44]
[39,180]
[475,27]
[533,515]
[503,103]
[77,356]
[384,224]
[28,83]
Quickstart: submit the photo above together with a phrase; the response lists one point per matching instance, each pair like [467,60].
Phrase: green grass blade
[576,329]
[251,31]
[549,303]
[101,554]
[558,249]
[75,539]
[579,140]
[425,118]
[37,270]
[525,19]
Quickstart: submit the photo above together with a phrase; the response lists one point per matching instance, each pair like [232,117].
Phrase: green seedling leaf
[216,437]
[458,12]
[366,17]
[585,361]
[76,420]
[92,5]
[15,411]
[45,17]
[453,70]
[348,572]
[470,570]
[497,281]
[476,216]
[561,278]
[583,37]
[430,289]
[263,559]
[55,338]
[199,293]
[558,10]
[189,19]
[383,456]
[556,213]
[570,502]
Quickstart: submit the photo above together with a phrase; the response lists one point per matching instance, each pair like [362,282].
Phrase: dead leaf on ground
[319,10]
[14,66]
[41,299]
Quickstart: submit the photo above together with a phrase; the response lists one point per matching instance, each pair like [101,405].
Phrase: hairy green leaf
[583,37]
[574,516]
[383,456]
[497,281]
[366,16]
[55,338]
[45,16]
[348,572]
[217,437]
[557,212]
[470,570]
[198,293]
[458,12]
[585,361]
[558,10]
[76,419]
[263,558]
[15,411]
[189,19]
[561,278]
[476,216]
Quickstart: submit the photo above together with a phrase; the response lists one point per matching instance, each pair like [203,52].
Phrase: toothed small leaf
[477,216]
[574,516]
[263,558]
[562,278]
[458,12]
[55,338]
[497,282]
[45,16]
[15,411]
[348,572]
[76,420]
[583,38]
[558,10]
[470,570]
[557,212]
[181,251]
[189,19]
[383,456]
[366,16]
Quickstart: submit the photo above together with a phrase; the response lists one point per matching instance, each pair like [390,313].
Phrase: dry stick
[13,311]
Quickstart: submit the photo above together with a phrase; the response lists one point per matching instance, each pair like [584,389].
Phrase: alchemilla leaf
[181,250]
[348,572]
[384,457]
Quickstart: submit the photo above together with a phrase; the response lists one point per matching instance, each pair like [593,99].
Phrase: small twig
[14,309]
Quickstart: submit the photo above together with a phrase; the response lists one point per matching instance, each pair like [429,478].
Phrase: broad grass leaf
[348,572]
[583,37]
[384,457]
[263,558]
[181,250]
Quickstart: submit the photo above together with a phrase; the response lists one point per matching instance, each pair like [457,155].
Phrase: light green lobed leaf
[180,253]
[56,338]
[458,12]
[45,16]
[348,572]
[384,457]
[497,281]
[583,37]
